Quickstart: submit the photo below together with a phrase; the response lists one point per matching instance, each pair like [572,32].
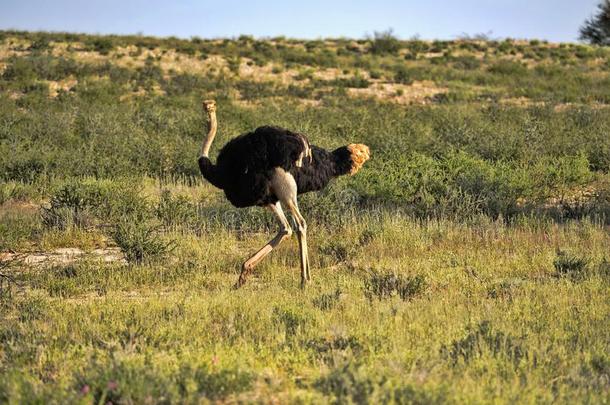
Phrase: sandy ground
[64,256]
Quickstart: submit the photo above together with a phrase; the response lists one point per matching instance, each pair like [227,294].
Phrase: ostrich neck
[207,143]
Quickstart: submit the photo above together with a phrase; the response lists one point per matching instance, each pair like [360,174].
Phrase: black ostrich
[269,167]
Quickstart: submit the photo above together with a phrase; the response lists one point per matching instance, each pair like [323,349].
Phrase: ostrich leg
[293,206]
[284,233]
[285,188]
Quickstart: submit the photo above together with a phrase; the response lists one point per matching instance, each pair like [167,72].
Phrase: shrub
[251,90]
[571,266]
[466,62]
[293,321]
[233,64]
[402,74]
[186,48]
[123,380]
[603,269]
[218,384]
[87,199]
[327,301]
[348,383]
[103,45]
[483,340]
[357,82]
[14,191]
[384,43]
[40,44]
[375,74]
[17,228]
[337,251]
[508,68]
[416,46]
[387,284]
[141,242]
[175,210]
[74,204]
[325,346]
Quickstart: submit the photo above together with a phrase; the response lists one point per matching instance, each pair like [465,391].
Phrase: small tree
[385,42]
[596,30]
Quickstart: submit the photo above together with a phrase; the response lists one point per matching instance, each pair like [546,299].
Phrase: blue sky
[555,20]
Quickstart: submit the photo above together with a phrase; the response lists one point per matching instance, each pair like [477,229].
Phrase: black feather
[246,164]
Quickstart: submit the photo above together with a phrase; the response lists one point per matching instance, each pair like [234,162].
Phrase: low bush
[571,266]
[103,45]
[357,82]
[118,380]
[17,229]
[402,74]
[384,42]
[508,68]
[327,301]
[176,211]
[484,340]
[383,284]
[85,203]
[141,242]
[348,383]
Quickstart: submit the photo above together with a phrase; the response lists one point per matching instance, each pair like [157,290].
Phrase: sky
[553,20]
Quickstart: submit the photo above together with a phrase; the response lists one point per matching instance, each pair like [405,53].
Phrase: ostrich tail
[359,153]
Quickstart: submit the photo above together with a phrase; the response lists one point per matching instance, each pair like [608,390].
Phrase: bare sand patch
[55,87]
[419,92]
[271,72]
[278,102]
[64,256]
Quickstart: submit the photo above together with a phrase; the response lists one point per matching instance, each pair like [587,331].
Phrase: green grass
[493,322]
[468,262]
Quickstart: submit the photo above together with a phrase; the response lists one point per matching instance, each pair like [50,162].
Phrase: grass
[466,263]
[179,332]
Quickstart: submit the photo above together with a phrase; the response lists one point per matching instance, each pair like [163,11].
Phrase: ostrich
[269,167]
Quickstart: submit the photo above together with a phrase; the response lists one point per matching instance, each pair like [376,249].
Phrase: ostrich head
[349,159]
[359,153]
[209,106]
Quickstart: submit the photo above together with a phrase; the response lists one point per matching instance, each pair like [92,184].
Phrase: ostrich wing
[262,150]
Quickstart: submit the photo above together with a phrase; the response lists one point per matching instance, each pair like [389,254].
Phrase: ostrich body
[269,167]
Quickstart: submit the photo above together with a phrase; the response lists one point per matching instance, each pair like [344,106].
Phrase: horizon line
[486,37]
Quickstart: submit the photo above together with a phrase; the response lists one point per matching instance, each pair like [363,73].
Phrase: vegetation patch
[483,340]
[141,242]
[382,284]
[571,266]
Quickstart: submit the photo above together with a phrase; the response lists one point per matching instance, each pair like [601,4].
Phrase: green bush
[141,242]
[387,284]
[384,43]
[508,68]
[571,266]
[176,211]
[327,301]
[402,74]
[484,340]
[465,62]
[118,380]
[103,45]
[357,82]
[348,383]
[17,229]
